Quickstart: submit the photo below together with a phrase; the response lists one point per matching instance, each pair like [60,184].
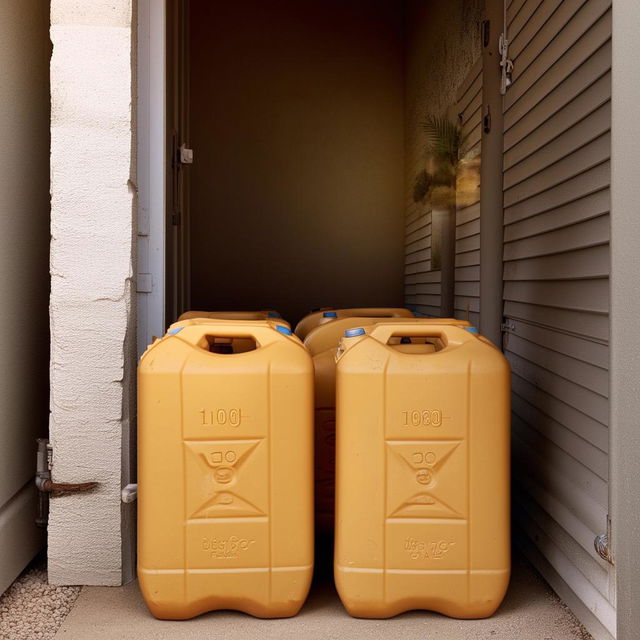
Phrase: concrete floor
[531,611]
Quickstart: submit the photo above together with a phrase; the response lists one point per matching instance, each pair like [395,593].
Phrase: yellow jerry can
[269,314]
[316,318]
[327,335]
[322,342]
[225,468]
[422,473]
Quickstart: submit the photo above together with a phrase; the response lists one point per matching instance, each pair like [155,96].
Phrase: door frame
[151,171]
[624,371]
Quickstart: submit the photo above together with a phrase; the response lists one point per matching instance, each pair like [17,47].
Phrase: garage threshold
[531,611]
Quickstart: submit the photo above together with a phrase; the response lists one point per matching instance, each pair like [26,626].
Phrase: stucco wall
[92,315]
[297,127]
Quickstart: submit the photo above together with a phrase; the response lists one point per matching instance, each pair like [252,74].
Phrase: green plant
[445,139]
[445,148]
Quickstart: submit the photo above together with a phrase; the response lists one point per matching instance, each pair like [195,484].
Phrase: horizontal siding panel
[581,373]
[593,325]
[593,262]
[417,222]
[430,288]
[590,155]
[579,236]
[583,426]
[417,267]
[572,139]
[580,295]
[467,214]
[568,467]
[524,140]
[468,229]
[472,112]
[471,316]
[468,244]
[518,14]
[470,258]
[422,299]
[564,26]
[468,274]
[548,71]
[474,89]
[533,110]
[578,397]
[590,181]
[470,84]
[464,303]
[549,478]
[418,256]
[578,347]
[591,206]
[468,289]
[418,234]
[541,27]
[572,444]
[475,135]
[418,245]
[568,541]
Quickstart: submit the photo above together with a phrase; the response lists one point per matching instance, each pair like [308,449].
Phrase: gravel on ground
[32,609]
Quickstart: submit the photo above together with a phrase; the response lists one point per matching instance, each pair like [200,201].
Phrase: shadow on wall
[297,124]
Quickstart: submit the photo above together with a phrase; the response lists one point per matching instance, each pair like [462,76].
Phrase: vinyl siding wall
[556,289]
[467,262]
[442,44]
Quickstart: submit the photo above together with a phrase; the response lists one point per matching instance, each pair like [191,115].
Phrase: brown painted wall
[297,126]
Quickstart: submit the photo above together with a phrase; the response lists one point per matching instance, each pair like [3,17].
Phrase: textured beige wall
[24,286]
[443,42]
[297,126]
[92,252]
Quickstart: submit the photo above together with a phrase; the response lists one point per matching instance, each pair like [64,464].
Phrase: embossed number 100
[425,418]
[232,417]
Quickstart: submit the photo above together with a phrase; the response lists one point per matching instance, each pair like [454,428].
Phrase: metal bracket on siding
[601,544]
[506,65]
[508,326]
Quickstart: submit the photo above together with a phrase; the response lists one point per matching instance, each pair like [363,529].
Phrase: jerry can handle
[448,334]
[262,334]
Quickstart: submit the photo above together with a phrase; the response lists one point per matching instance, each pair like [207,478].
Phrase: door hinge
[506,65]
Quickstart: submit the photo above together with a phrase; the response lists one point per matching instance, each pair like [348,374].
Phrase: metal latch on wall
[506,65]
[185,154]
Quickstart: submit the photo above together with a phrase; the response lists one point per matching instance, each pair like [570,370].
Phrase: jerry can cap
[329,314]
[354,333]
[473,330]
[285,330]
